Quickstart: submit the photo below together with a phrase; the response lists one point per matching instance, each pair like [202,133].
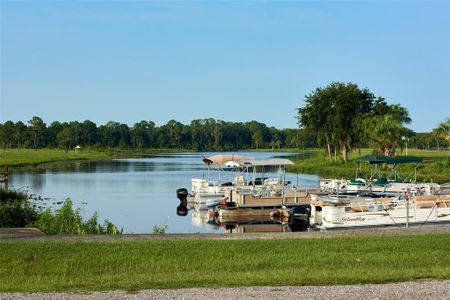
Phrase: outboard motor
[299,217]
[182,194]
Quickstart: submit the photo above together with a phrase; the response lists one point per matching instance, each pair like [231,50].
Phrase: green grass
[436,166]
[310,161]
[23,157]
[27,157]
[126,265]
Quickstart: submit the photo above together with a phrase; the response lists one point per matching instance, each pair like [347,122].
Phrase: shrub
[12,195]
[15,211]
[68,220]
[17,214]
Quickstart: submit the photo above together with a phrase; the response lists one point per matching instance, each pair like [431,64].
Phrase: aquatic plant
[160,229]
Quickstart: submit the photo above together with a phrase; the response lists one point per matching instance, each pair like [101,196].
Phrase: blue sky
[235,61]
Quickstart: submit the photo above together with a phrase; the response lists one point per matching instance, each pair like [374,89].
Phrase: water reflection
[182,209]
[271,222]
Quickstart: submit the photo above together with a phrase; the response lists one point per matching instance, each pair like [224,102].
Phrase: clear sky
[235,61]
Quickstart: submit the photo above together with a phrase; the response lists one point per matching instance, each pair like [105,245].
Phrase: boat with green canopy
[378,183]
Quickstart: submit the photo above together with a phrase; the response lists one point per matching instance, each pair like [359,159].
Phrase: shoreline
[33,234]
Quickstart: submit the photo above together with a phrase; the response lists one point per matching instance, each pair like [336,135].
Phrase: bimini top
[383,159]
[272,162]
[221,159]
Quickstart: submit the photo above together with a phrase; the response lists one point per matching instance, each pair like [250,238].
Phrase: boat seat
[380,181]
[444,204]
[318,203]
[425,204]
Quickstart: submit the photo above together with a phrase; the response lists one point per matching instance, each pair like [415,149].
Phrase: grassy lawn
[436,165]
[126,265]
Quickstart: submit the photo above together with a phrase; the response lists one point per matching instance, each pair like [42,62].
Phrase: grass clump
[160,229]
[134,265]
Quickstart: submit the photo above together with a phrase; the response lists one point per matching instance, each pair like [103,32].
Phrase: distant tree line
[201,135]
[340,117]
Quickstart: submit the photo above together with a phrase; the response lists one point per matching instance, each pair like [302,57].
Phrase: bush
[15,211]
[12,195]
[17,214]
[68,220]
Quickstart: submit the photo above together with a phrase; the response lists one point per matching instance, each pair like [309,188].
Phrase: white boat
[245,179]
[376,183]
[345,211]
[333,185]
[207,192]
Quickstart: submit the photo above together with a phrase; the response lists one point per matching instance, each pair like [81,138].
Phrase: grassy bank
[310,161]
[29,157]
[23,157]
[436,165]
[69,266]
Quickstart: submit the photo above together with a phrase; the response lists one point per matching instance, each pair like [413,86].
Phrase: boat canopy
[383,159]
[271,162]
[221,159]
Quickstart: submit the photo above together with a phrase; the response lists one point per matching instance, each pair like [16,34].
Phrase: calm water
[136,193]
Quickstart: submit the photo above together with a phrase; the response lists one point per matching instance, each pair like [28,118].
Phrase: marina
[273,204]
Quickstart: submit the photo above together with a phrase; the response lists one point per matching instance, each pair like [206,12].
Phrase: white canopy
[220,159]
[271,162]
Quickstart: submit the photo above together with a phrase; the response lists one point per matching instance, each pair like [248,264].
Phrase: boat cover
[221,159]
[271,162]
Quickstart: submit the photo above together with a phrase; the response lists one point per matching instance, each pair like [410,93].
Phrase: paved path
[33,234]
[420,290]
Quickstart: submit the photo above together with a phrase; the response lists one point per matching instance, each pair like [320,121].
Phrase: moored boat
[346,211]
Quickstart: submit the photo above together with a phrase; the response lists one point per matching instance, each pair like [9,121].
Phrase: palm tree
[385,133]
[443,131]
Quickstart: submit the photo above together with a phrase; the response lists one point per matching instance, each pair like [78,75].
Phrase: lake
[134,193]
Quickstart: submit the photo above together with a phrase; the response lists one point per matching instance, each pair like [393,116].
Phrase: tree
[385,133]
[7,134]
[88,134]
[38,128]
[52,133]
[175,132]
[65,140]
[384,126]
[20,132]
[443,131]
[333,112]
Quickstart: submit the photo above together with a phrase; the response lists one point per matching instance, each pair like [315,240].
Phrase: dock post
[407,211]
